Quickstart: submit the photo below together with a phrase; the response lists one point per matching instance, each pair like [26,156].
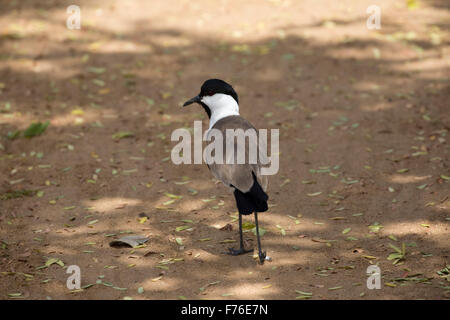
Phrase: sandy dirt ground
[363,115]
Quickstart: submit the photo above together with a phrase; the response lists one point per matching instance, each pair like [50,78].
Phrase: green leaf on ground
[122,134]
[35,129]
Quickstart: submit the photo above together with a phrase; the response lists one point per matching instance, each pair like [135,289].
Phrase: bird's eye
[209,93]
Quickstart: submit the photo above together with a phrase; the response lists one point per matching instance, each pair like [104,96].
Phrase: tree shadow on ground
[347,122]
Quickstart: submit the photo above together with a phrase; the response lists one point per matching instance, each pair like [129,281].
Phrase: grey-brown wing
[236,174]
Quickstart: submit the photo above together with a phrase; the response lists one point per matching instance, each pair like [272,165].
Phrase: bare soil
[363,117]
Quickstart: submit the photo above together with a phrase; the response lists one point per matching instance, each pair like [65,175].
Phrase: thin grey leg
[261,254]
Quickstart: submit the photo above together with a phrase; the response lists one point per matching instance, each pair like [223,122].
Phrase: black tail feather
[253,200]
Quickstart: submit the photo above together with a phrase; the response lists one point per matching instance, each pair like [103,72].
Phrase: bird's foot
[262,257]
[237,252]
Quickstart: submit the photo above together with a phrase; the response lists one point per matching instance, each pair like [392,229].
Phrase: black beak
[194,99]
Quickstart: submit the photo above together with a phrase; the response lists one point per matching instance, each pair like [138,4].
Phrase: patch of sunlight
[269,74]
[69,119]
[444,206]
[304,244]
[21,121]
[58,248]
[437,229]
[109,204]
[367,86]
[189,205]
[401,178]
[173,42]
[205,256]
[377,107]
[269,221]
[165,283]
[43,66]
[119,47]
[252,291]
[422,67]
[29,65]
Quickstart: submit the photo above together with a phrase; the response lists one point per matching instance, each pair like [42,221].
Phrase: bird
[221,104]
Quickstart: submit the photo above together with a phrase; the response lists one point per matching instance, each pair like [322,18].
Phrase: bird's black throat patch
[207,109]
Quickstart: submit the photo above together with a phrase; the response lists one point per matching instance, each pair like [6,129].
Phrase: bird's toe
[236,252]
[262,257]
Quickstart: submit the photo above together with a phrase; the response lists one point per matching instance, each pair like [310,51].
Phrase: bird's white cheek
[208,101]
[205,100]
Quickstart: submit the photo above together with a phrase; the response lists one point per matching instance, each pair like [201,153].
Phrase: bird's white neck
[221,106]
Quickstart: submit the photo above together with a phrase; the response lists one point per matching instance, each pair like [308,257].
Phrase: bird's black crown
[213,86]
